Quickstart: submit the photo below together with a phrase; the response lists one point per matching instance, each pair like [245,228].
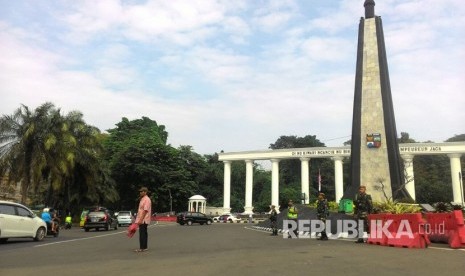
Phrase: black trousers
[143,236]
[274,227]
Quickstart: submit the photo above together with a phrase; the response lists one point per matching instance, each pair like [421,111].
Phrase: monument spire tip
[369,8]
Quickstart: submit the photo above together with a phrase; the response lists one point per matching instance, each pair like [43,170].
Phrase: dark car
[193,217]
[101,218]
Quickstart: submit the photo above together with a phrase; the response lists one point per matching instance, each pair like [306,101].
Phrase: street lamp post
[461,187]
[171,202]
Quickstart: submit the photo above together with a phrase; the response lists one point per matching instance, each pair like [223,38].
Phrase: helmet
[46,210]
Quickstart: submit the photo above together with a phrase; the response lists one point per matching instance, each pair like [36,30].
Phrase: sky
[232,75]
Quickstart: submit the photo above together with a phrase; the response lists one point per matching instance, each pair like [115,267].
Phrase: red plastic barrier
[375,236]
[169,219]
[440,226]
[457,239]
[406,230]
[447,227]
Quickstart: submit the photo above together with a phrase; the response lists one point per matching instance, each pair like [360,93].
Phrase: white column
[248,208]
[202,206]
[275,183]
[227,188]
[409,175]
[456,173]
[304,178]
[338,178]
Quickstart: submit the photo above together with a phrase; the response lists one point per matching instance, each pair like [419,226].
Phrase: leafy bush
[394,207]
[444,207]
[333,205]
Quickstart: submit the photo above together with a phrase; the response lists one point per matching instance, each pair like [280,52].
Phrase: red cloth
[132,229]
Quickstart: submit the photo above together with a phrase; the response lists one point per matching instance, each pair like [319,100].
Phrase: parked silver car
[18,221]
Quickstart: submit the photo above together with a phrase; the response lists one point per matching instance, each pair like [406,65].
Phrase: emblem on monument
[374,140]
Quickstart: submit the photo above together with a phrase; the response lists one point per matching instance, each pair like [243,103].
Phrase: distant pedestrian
[143,219]
[292,214]
[274,221]
[362,208]
[322,209]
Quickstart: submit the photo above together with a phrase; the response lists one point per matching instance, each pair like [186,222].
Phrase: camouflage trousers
[364,218]
[323,232]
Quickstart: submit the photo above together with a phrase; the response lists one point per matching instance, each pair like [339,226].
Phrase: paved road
[218,249]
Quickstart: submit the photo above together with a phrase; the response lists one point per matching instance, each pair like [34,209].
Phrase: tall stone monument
[375,156]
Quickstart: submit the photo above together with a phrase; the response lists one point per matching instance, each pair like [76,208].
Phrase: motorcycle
[56,221]
[53,233]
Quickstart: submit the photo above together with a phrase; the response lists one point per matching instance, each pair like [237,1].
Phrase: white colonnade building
[197,203]
[454,150]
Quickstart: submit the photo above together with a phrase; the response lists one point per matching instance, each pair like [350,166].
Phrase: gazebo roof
[197,197]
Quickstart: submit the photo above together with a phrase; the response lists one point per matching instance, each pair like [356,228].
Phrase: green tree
[405,138]
[432,175]
[432,179]
[457,138]
[261,190]
[23,136]
[138,155]
[85,179]
[55,156]
[290,170]
[211,186]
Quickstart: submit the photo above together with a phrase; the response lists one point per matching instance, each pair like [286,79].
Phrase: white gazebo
[197,203]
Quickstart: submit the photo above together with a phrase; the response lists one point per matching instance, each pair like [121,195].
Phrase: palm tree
[89,177]
[58,157]
[23,136]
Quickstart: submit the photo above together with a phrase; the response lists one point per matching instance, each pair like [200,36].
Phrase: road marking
[254,229]
[95,237]
[442,248]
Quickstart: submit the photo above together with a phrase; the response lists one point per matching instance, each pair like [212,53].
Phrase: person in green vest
[292,214]
[68,221]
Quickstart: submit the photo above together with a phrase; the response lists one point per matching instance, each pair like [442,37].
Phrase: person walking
[274,221]
[363,206]
[322,210]
[292,214]
[143,218]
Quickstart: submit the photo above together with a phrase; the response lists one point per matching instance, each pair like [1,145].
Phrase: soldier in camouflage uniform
[322,210]
[362,207]
[274,221]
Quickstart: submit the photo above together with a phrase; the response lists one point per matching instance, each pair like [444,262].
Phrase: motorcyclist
[68,221]
[48,219]
[55,218]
